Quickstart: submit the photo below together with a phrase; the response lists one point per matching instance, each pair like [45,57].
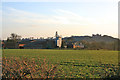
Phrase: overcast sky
[43,19]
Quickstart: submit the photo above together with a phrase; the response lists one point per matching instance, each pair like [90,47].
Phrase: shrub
[24,68]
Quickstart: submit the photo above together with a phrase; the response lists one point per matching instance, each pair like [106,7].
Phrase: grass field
[73,63]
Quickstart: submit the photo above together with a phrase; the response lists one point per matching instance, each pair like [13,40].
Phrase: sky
[43,19]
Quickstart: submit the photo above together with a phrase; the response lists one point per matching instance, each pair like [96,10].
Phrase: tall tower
[56,35]
[58,41]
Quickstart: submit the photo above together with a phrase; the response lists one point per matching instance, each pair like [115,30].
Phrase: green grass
[74,63]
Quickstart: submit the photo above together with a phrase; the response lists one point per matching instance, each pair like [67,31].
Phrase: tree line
[14,39]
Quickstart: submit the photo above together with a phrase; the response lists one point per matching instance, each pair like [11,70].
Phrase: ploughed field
[49,63]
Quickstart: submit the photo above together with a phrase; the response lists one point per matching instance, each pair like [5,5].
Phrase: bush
[23,68]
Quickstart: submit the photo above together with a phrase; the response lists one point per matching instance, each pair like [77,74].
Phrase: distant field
[74,63]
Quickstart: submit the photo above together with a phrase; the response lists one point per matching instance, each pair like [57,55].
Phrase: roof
[2,42]
[32,40]
[21,44]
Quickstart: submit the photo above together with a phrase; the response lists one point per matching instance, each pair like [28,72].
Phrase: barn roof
[21,44]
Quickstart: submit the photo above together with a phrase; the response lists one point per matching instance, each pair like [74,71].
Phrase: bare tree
[14,37]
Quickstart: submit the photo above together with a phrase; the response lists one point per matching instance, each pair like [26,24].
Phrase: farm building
[48,43]
[11,45]
[37,44]
[78,45]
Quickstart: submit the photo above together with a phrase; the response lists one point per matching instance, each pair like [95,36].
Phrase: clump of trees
[93,45]
[14,37]
[101,45]
[12,41]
